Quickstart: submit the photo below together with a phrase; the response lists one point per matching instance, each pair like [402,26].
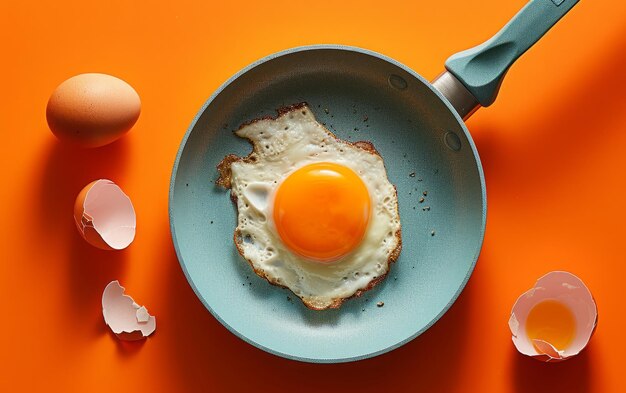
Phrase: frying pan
[428,152]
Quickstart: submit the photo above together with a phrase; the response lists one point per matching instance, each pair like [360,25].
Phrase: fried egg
[316,214]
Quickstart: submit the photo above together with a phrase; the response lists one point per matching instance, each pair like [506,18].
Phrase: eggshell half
[571,292]
[128,320]
[105,216]
[91,110]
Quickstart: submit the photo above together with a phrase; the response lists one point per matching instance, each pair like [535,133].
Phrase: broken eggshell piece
[127,319]
[105,216]
[568,290]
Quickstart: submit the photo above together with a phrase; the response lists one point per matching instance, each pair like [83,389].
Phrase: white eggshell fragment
[105,216]
[567,289]
[127,319]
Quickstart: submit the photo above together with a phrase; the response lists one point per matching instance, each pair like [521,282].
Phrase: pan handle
[480,70]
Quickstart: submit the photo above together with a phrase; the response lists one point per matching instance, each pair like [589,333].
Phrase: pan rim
[210,100]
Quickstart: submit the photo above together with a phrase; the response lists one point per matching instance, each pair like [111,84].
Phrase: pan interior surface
[359,95]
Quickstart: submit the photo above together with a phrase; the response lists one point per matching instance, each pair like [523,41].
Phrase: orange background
[552,147]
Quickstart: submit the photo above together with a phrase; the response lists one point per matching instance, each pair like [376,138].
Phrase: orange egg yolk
[553,322]
[321,211]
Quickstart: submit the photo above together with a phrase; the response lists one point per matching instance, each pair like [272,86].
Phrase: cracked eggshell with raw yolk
[567,305]
[287,151]
[105,216]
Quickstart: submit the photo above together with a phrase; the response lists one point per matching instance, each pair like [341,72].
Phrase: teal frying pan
[428,152]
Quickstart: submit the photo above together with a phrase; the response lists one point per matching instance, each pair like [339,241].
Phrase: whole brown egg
[91,110]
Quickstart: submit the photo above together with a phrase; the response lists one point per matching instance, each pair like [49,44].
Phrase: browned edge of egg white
[224,180]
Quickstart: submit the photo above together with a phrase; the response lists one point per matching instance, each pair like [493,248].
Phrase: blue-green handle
[482,68]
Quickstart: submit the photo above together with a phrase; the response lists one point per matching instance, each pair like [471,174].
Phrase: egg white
[280,146]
